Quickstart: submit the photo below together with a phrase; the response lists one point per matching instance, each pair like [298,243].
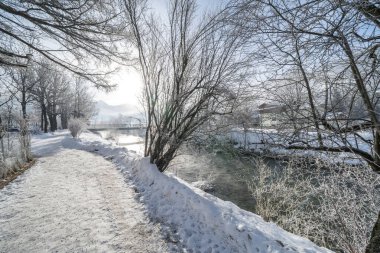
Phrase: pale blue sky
[130,82]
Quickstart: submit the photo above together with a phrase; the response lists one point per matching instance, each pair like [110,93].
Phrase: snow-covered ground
[134,142]
[196,220]
[274,142]
[74,200]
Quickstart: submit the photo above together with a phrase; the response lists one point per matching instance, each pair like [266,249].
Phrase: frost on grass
[335,205]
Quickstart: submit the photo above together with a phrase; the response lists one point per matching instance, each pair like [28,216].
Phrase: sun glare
[128,90]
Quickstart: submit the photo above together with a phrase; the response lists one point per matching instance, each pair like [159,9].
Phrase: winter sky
[129,80]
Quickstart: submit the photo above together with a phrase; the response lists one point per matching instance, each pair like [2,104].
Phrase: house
[271,114]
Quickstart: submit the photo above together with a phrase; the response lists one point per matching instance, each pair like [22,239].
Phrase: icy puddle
[74,201]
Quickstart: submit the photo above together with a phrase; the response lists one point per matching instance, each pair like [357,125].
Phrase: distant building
[271,114]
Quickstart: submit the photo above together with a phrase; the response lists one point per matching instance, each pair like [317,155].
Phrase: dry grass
[13,174]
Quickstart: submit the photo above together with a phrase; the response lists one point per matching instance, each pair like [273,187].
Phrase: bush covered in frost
[334,205]
[76,126]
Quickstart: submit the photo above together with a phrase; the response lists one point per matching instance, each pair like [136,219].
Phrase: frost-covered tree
[59,96]
[331,45]
[71,34]
[192,68]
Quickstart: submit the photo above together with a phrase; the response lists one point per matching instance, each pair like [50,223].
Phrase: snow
[129,139]
[103,209]
[74,201]
[197,220]
[271,142]
[208,224]
[134,142]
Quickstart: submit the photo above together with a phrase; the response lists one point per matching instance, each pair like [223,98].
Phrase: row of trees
[38,97]
[82,37]
[47,91]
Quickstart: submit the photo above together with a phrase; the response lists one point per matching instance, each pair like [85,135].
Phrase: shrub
[3,169]
[25,142]
[76,126]
[333,205]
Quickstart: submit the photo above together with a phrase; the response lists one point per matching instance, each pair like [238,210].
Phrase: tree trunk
[376,151]
[2,140]
[2,148]
[55,124]
[374,243]
[24,141]
[23,102]
[45,119]
[42,120]
[51,112]
[46,123]
[53,121]
[245,138]
[23,108]
[64,120]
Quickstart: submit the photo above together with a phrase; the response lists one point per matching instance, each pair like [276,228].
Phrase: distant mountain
[108,112]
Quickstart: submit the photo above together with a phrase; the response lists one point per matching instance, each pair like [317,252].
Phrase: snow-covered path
[74,201]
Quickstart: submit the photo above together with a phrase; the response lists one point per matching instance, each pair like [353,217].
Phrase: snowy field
[74,200]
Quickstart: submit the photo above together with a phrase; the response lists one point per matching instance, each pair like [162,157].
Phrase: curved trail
[74,201]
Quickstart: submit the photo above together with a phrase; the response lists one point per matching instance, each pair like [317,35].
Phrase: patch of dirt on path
[74,201]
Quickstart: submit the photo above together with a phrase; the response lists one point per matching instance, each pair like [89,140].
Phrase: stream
[223,174]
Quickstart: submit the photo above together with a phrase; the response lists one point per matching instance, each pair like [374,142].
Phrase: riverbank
[276,144]
[197,220]
[261,185]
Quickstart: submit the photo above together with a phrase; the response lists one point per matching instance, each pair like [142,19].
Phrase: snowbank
[197,220]
[271,141]
[205,223]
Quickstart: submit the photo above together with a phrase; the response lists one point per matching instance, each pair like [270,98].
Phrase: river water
[225,175]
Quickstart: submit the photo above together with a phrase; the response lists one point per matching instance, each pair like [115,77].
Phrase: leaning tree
[192,71]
